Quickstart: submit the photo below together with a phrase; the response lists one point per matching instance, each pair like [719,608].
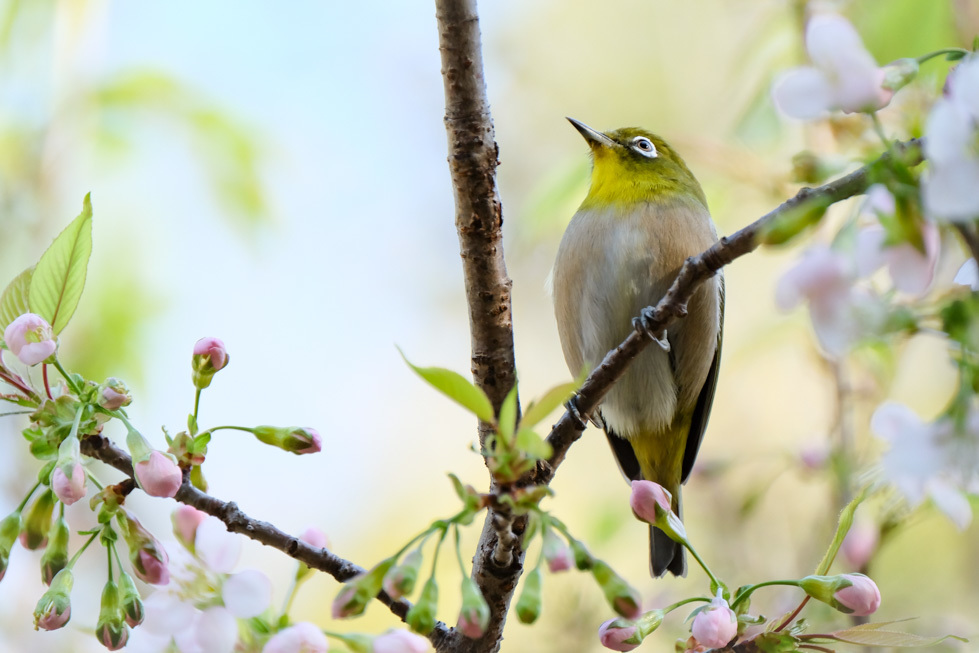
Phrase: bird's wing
[624,455]
[701,411]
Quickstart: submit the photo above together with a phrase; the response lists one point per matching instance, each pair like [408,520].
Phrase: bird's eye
[644,146]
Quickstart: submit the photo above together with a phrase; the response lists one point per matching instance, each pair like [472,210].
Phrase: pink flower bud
[159,475]
[557,553]
[862,597]
[214,349]
[115,394]
[30,338]
[399,641]
[614,633]
[69,490]
[315,538]
[304,440]
[303,637]
[185,520]
[859,544]
[53,610]
[348,602]
[716,625]
[646,495]
[152,567]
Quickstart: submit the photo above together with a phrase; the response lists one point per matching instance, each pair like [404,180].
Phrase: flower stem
[64,373]
[937,53]
[80,551]
[28,496]
[695,599]
[746,592]
[47,386]
[696,556]
[197,403]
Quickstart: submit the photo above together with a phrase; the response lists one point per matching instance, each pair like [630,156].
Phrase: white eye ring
[644,146]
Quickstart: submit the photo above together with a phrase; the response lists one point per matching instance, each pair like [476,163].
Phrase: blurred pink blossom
[69,490]
[860,544]
[862,597]
[214,349]
[159,475]
[30,338]
[614,638]
[948,187]
[843,75]
[303,637]
[400,641]
[716,625]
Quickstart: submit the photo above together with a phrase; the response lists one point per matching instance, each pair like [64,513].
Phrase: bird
[644,215]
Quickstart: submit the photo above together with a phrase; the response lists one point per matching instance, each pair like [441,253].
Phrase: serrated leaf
[13,302]
[541,408]
[59,278]
[874,634]
[533,445]
[507,420]
[457,388]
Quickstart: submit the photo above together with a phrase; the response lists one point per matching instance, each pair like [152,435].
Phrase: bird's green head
[632,166]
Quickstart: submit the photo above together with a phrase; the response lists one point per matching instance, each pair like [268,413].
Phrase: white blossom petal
[216,630]
[912,270]
[965,86]
[949,192]
[968,274]
[303,637]
[143,641]
[247,594]
[948,129]
[951,501]
[186,636]
[803,93]
[892,420]
[830,39]
[166,614]
[218,548]
[869,252]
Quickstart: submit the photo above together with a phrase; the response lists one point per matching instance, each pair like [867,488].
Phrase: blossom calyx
[360,590]
[147,555]
[854,594]
[295,439]
[421,616]
[37,522]
[53,610]
[111,629]
[529,603]
[132,603]
[400,580]
[474,615]
[556,552]
[210,356]
[114,394]
[620,595]
[55,557]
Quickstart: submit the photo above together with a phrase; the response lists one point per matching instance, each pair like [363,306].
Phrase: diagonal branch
[695,271]
[101,448]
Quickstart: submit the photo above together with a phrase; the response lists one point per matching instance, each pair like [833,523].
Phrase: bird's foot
[581,421]
[643,326]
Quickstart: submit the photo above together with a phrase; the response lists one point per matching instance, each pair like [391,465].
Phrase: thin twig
[101,448]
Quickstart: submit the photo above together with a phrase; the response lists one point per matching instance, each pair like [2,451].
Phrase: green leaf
[954,56]
[846,521]
[508,414]
[59,277]
[875,634]
[793,220]
[13,302]
[541,408]
[457,388]
[533,445]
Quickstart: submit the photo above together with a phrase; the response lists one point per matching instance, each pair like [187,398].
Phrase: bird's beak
[594,138]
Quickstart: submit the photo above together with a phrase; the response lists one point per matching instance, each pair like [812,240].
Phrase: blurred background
[274,175]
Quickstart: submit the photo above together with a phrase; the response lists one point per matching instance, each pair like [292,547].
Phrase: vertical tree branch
[473,152]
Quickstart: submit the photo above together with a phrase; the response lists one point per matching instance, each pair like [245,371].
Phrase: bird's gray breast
[613,263]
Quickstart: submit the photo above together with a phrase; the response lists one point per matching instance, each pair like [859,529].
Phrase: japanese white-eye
[644,214]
